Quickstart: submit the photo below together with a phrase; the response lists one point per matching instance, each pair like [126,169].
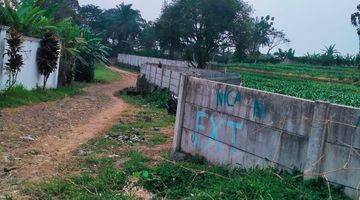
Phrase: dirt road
[58,128]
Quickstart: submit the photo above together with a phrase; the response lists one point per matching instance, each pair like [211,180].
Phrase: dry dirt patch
[34,140]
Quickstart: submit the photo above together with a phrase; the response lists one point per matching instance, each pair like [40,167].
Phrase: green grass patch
[158,138]
[106,182]
[19,96]
[194,179]
[104,75]
[156,99]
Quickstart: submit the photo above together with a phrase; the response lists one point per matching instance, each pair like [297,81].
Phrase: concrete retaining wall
[29,75]
[169,76]
[233,125]
[140,60]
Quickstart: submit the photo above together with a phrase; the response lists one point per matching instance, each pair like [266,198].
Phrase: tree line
[195,30]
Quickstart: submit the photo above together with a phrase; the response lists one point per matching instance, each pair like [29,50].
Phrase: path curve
[39,159]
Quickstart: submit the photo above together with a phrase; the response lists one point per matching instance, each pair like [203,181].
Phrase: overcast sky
[309,24]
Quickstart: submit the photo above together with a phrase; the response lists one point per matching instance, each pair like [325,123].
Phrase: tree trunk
[359,43]
[46,77]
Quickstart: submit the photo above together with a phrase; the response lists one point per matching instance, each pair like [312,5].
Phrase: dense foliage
[15,59]
[48,55]
[79,47]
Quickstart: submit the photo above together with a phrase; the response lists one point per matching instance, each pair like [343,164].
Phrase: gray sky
[309,24]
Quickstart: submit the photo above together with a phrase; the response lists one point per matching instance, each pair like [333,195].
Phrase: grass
[194,179]
[19,96]
[104,74]
[108,168]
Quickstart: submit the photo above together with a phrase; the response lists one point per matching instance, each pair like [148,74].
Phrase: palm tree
[330,51]
[355,21]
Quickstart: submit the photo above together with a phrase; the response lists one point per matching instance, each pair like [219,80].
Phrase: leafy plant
[15,59]
[91,50]
[27,17]
[48,55]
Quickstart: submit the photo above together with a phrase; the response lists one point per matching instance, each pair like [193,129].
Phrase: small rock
[82,153]
[27,138]
[91,98]
[129,139]
[7,159]
[121,162]
[7,170]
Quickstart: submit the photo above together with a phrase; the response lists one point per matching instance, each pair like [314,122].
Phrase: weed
[157,139]
[196,180]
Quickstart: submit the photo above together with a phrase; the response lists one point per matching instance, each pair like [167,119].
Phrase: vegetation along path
[34,140]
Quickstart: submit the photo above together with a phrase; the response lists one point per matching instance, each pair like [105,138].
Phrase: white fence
[140,60]
[169,76]
[29,75]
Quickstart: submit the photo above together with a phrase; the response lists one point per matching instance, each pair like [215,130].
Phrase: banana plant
[27,18]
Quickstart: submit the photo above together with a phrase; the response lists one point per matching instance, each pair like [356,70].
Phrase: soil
[35,140]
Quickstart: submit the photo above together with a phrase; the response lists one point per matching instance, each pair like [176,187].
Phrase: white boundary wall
[169,76]
[140,60]
[29,75]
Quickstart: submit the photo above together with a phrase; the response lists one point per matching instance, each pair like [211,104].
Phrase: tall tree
[91,17]
[168,29]
[276,38]
[148,38]
[202,24]
[355,21]
[122,27]
[66,9]
[241,33]
[262,28]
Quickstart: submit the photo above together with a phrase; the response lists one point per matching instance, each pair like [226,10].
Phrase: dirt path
[58,128]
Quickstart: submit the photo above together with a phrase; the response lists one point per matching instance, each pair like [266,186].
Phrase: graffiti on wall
[213,124]
[231,98]
[216,124]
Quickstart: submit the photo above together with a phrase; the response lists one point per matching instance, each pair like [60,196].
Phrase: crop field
[320,73]
[334,84]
